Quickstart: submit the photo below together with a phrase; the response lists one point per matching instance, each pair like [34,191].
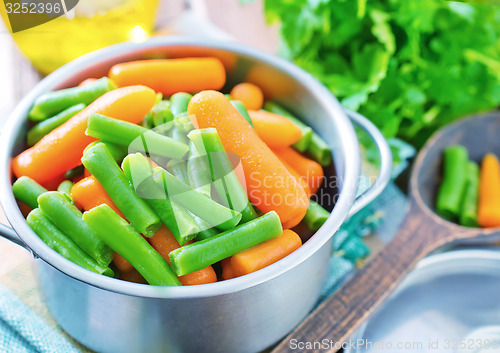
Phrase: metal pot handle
[384,175]
[10,234]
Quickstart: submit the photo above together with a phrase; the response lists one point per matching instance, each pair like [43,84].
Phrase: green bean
[179,135]
[206,230]
[307,133]
[180,222]
[161,114]
[126,134]
[180,102]
[240,107]
[62,244]
[183,123]
[65,216]
[27,190]
[103,167]
[118,152]
[319,150]
[198,255]
[468,213]
[224,178]
[75,172]
[454,182]
[41,129]
[315,216]
[65,187]
[199,171]
[127,242]
[179,170]
[52,103]
[197,203]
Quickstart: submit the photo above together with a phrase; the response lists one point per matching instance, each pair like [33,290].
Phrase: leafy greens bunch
[410,66]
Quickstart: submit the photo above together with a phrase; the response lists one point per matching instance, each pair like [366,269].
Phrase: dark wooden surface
[423,231]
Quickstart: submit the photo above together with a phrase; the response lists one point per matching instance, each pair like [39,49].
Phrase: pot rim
[347,139]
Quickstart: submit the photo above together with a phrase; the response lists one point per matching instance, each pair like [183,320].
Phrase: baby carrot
[303,144]
[249,94]
[269,185]
[265,254]
[455,159]
[227,269]
[170,76]
[164,242]
[275,130]
[489,192]
[302,181]
[307,168]
[62,148]
[88,193]
[468,212]
[242,110]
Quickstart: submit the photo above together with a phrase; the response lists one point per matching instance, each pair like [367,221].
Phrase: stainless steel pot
[245,314]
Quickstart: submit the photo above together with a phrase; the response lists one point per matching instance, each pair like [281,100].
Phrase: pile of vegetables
[410,66]
[469,195]
[128,184]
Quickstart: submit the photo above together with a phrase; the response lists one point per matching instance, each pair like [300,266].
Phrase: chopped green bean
[206,230]
[307,133]
[117,151]
[41,129]
[319,150]
[27,190]
[179,170]
[180,102]
[52,103]
[198,255]
[127,242]
[197,203]
[224,178]
[180,222]
[62,244]
[468,213]
[134,137]
[161,114]
[240,107]
[183,123]
[199,171]
[65,187]
[315,216]
[103,167]
[454,182]
[65,216]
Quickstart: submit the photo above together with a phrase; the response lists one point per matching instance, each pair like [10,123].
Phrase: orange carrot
[270,186]
[307,168]
[87,82]
[87,194]
[170,76]
[62,148]
[122,264]
[275,130]
[164,242]
[265,254]
[52,184]
[489,192]
[302,181]
[249,94]
[131,276]
[227,269]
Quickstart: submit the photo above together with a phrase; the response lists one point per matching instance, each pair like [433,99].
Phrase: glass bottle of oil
[90,25]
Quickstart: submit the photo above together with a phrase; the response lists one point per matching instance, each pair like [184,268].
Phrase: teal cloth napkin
[22,330]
